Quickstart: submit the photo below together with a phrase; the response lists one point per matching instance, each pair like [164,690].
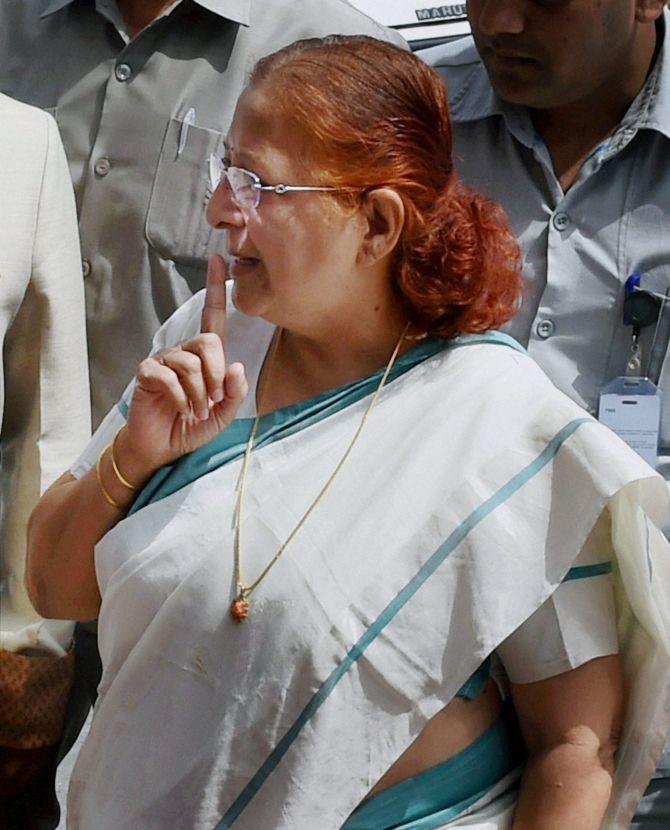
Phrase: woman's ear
[384,213]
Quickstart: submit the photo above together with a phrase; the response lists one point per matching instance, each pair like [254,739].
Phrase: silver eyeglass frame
[218,171]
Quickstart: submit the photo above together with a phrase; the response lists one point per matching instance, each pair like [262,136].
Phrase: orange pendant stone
[239,608]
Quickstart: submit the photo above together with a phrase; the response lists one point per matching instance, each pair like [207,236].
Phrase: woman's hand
[173,388]
[184,396]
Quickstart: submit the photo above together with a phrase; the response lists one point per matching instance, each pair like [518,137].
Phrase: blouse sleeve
[575,625]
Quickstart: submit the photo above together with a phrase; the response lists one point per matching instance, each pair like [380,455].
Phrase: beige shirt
[139,170]
[44,402]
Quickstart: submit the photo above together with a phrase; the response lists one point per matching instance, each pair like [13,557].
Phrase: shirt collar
[55,6]
[476,100]
[239,11]
[651,108]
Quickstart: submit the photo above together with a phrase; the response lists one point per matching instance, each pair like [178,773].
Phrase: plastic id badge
[631,407]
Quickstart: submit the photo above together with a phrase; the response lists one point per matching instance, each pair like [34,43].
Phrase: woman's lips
[240,265]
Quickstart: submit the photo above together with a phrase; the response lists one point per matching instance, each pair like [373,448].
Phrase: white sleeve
[47,412]
[184,323]
[576,624]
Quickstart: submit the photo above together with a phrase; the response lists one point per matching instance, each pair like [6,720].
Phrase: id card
[631,407]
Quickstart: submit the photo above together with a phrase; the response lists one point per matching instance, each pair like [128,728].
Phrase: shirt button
[85,267]
[545,328]
[123,72]
[102,166]
[561,221]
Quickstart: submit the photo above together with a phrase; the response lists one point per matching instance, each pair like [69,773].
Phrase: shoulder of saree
[230,444]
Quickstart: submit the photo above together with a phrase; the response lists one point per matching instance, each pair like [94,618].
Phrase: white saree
[464,504]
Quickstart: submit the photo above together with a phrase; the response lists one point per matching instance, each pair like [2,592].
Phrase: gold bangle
[117,472]
[98,474]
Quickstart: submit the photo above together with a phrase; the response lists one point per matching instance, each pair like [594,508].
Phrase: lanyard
[641,308]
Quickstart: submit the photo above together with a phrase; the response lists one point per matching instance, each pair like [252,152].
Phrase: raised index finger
[214,311]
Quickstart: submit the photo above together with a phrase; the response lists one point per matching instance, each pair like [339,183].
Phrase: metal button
[102,166]
[123,72]
[545,328]
[561,221]
[85,267]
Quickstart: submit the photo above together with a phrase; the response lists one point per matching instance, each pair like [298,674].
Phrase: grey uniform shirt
[578,247]
[139,173]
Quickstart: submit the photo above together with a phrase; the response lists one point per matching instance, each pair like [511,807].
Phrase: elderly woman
[340,533]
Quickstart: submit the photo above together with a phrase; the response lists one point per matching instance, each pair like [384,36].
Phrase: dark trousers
[653,811]
[36,807]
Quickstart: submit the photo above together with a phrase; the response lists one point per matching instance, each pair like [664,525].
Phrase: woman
[300,588]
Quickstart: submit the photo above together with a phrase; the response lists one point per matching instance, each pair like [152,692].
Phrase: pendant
[239,608]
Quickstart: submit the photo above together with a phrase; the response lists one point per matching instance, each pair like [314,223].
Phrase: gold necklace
[239,607]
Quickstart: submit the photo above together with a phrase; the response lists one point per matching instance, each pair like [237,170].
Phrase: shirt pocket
[175,224]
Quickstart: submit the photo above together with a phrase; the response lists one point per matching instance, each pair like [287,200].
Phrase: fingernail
[217,397]
[203,415]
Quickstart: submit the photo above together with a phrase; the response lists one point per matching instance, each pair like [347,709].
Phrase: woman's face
[294,257]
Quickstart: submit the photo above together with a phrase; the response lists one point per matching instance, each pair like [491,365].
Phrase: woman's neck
[305,365]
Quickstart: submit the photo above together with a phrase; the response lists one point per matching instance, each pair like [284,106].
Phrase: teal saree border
[230,444]
[387,615]
[586,571]
[417,803]
[423,350]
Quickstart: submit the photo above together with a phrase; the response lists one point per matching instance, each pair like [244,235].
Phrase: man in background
[143,92]
[561,113]
[45,422]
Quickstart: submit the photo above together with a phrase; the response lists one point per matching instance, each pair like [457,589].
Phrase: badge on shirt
[630,405]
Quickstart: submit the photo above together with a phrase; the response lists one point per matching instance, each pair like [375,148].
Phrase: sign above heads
[421,23]
[448,12]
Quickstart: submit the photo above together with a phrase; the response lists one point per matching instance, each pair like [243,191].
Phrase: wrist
[119,498]
[130,468]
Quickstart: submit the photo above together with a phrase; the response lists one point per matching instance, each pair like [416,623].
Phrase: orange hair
[375,115]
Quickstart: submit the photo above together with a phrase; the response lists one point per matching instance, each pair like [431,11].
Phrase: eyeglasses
[245,186]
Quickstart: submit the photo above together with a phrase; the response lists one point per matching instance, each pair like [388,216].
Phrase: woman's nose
[222,212]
